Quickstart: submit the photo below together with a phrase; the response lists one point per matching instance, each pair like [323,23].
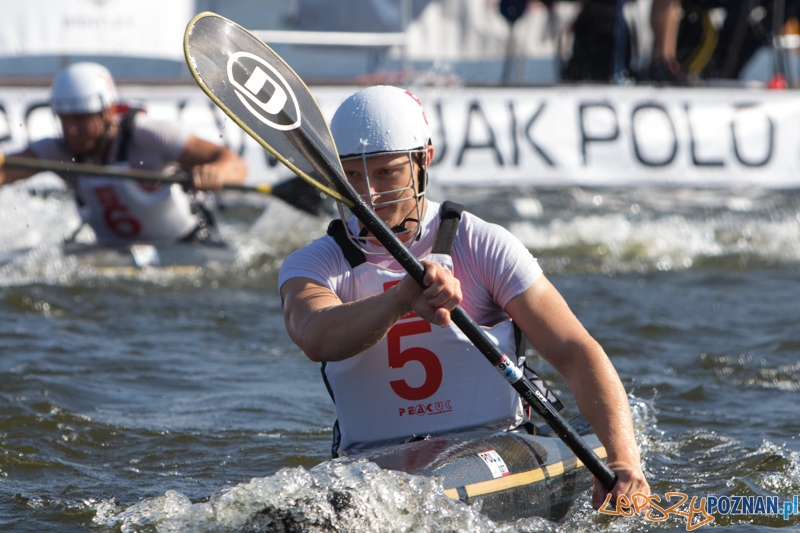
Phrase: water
[172,401]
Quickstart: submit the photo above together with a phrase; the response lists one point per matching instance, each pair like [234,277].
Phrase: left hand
[630,482]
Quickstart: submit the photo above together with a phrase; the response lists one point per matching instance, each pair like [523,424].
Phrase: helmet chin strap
[399,228]
[109,132]
[402,226]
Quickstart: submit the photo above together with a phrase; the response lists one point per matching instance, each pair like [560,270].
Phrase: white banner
[605,135]
[591,136]
[144,28]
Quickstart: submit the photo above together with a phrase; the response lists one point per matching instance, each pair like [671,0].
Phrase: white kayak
[511,475]
[133,257]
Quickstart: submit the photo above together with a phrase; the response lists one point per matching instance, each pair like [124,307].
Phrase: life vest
[419,379]
[124,210]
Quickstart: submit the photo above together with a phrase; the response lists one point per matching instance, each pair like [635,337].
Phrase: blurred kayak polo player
[396,367]
[96,129]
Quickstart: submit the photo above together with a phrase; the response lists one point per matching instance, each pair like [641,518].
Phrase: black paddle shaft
[499,360]
[294,191]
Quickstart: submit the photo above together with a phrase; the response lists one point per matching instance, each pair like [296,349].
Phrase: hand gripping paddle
[265,97]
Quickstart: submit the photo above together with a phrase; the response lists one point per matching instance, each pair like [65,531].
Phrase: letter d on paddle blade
[264,95]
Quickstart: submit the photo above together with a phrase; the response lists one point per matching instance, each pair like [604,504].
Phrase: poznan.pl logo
[263,91]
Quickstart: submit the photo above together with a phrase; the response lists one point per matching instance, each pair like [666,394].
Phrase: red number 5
[428,359]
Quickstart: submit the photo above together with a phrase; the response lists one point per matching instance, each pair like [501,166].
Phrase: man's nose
[69,126]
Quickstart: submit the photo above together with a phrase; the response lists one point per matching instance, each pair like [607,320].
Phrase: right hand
[630,481]
[441,295]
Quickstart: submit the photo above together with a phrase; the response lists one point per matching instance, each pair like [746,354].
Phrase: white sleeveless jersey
[419,379]
[119,209]
[122,210]
[393,391]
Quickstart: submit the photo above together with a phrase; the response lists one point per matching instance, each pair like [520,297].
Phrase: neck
[100,149]
[103,144]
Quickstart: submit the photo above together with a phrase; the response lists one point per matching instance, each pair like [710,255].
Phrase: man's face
[390,179]
[83,132]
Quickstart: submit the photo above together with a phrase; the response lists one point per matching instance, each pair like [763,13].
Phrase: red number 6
[122,224]
[428,359]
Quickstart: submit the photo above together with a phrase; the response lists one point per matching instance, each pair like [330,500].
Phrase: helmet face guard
[416,183]
[379,121]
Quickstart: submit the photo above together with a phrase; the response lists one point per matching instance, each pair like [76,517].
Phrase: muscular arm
[11,174]
[328,330]
[211,165]
[562,341]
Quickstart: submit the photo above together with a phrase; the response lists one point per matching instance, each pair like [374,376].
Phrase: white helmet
[82,88]
[380,119]
[385,120]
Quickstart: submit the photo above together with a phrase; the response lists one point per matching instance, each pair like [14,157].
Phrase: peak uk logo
[263,91]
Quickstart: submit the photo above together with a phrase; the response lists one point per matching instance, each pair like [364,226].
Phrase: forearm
[601,398]
[328,330]
[211,165]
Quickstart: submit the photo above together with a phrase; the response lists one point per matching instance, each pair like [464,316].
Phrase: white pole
[405,21]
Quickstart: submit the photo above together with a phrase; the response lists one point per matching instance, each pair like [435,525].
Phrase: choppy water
[176,402]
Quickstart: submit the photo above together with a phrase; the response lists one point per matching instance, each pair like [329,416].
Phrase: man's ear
[109,113]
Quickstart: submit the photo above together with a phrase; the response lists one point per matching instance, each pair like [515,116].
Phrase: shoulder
[490,244]
[495,258]
[156,139]
[49,148]
[477,231]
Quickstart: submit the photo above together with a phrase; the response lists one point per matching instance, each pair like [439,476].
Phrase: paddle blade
[266,98]
[300,194]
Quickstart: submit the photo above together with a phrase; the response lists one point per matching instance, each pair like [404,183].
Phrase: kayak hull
[136,256]
[510,475]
